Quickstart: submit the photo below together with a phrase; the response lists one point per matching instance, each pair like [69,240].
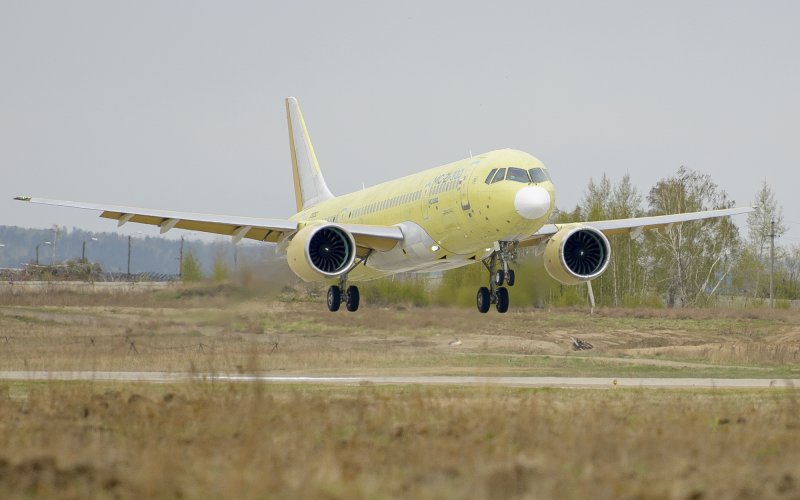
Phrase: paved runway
[564,382]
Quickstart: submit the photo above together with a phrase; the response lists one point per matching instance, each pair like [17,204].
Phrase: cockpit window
[489,177]
[539,175]
[517,175]
[499,176]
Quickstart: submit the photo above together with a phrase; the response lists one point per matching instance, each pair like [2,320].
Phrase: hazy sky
[179,105]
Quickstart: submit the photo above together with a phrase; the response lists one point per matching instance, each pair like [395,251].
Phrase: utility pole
[180,262]
[771,262]
[129,257]
[83,252]
[56,231]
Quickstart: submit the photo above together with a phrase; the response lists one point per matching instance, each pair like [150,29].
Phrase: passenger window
[518,175]
[539,175]
[499,176]
[489,177]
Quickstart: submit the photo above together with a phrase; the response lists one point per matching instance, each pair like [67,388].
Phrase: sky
[179,105]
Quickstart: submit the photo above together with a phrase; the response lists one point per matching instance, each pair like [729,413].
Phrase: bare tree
[691,260]
[759,228]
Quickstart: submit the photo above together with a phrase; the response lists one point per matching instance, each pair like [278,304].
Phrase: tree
[626,255]
[791,265]
[597,199]
[220,270]
[190,268]
[691,260]
[759,228]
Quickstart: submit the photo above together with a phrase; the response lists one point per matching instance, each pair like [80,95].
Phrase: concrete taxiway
[561,382]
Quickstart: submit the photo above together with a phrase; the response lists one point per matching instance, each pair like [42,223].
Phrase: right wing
[633,225]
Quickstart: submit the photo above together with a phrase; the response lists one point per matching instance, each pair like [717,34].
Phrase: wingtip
[22,198]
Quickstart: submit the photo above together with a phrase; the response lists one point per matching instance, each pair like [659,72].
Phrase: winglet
[309,185]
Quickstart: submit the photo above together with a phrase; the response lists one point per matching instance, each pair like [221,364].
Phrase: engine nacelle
[321,251]
[577,254]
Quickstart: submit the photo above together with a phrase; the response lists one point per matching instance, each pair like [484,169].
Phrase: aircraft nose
[532,202]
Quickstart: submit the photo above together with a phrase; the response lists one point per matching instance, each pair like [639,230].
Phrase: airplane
[481,209]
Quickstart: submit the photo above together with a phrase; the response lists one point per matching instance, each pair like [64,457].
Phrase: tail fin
[309,185]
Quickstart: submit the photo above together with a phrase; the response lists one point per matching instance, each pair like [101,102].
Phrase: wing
[633,226]
[370,237]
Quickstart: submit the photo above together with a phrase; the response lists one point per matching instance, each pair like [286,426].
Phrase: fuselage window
[489,177]
[539,175]
[517,175]
[499,176]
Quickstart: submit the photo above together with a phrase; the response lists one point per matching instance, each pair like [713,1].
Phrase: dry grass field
[220,330]
[80,440]
[217,440]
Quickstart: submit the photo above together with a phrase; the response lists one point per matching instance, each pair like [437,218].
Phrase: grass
[226,330]
[218,440]
[95,440]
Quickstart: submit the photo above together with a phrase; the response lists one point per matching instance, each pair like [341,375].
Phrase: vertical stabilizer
[309,185]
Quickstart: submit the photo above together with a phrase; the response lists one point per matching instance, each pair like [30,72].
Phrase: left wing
[270,230]
[635,225]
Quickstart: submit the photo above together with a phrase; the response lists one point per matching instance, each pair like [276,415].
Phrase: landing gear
[351,298]
[334,298]
[510,278]
[502,300]
[484,299]
[497,294]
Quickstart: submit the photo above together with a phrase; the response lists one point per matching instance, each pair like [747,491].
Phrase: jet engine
[577,254]
[321,251]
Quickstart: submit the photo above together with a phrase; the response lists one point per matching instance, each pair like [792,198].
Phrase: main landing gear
[351,296]
[496,293]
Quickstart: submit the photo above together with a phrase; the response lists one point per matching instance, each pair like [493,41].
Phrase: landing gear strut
[496,293]
[351,297]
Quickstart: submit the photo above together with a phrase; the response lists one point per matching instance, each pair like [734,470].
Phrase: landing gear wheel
[510,279]
[484,299]
[502,300]
[334,298]
[353,297]
[499,277]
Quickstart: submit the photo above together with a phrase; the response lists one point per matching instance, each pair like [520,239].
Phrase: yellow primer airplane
[481,209]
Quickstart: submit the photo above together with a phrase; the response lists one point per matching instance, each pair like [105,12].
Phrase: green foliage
[190,267]
[220,270]
[459,286]
[405,289]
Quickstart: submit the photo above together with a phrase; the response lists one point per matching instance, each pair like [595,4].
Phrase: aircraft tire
[484,299]
[352,299]
[334,298]
[502,300]
[511,278]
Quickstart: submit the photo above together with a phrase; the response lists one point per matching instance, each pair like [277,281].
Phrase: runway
[447,380]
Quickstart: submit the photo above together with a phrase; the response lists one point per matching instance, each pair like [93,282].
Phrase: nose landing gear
[496,293]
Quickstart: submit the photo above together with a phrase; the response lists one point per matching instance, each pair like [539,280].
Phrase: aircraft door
[426,201]
[464,188]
